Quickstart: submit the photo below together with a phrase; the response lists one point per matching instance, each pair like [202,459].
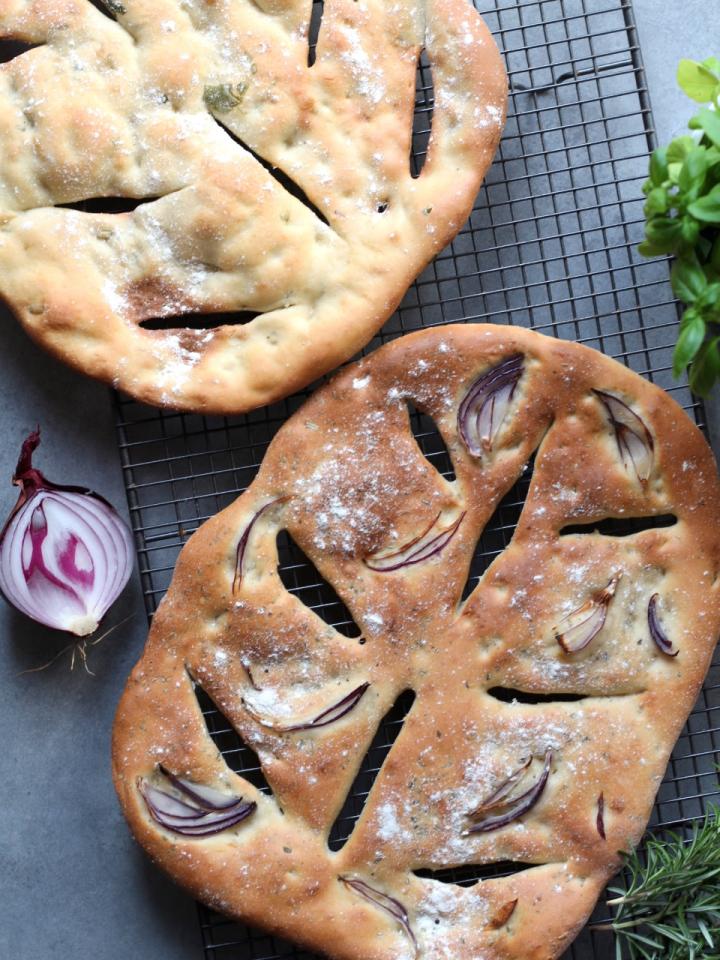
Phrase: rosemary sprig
[670,907]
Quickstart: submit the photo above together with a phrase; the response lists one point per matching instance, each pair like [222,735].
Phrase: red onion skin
[206,820]
[522,805]
[659,637]
[389,904]
[505,373]
[601,816]
[323,719]
[425,552]
[245,538]
[88,589]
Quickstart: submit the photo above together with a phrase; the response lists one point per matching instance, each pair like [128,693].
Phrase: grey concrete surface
[73,885]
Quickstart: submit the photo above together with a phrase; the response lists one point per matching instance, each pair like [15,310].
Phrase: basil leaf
[657,202]
[709,122]
[688,279]
[692,174]
[712,63]
[689,343]
[674,171]
[659,166]
[663,233]
[698,82]
[705,369]
[679,149]
[689,231]
[714,258]
[707,208]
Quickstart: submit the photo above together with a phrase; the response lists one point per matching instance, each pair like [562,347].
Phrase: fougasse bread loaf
[280,221]
[610,635]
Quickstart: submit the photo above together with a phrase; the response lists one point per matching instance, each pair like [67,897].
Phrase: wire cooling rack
[550,245]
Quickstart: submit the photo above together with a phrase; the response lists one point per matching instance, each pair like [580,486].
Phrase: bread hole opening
[9,48]
[422,114]
[241,758]
[382,743]
[300,577]
[470,874]
[316,16]
[106,204]
[430,441]
[510,695]
[499,529]
[198,321]
[621,526]
[382,206]
[286,182]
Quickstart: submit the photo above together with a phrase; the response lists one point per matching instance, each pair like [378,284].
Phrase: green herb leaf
[688,345]
[679,149]
[692,173]
[669,908]
[689,231]
[223,97]
[657,202]
[712,63]
[707,208]
[704,371]
[709,122]
[659,166]
[663,233]
[688,279]
[697,81]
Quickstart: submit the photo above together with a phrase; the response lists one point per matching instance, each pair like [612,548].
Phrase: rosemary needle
[670,906]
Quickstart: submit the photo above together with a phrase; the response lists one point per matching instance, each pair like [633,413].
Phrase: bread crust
[346,478]
[144,107]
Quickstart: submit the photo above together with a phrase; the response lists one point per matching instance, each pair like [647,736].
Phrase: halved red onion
[518,807]
[329,715]
[389,904]
[485,405]
[500,794]
[634,440]
[580,627]
[244,539]
[200,811]
[427,544]
[661,639]
[600,822]
[65,554]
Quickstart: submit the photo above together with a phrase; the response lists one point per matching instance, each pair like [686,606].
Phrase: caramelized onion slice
[519,807]
[580,627]
[244,539]
[427,544]
[497,797]
[389,904]
[329,715]
[485,405]
[200,812]
[661,639]
[634,440]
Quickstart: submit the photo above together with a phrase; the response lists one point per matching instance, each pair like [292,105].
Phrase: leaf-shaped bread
[272,187]
[477,775]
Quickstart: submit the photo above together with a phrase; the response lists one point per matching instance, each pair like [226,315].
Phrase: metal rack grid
[550,245]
